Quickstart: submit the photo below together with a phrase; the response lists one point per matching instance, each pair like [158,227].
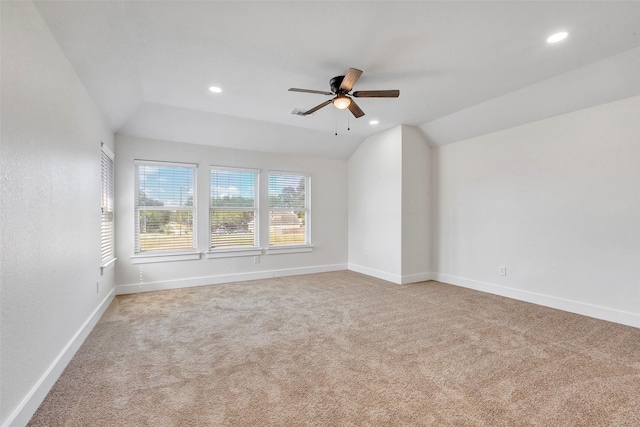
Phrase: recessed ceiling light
[373,122]
[215,89]
[557,37]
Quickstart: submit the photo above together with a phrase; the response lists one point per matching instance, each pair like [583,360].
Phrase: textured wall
[417,206]
[391,206]
[556,201]
[375,199]
[50,217]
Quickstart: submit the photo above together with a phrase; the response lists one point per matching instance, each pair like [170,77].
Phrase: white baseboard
[590,310]
[224,278]
[419,277]
[28,406]
[394,278]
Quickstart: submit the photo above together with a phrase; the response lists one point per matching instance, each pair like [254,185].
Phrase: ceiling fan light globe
[342,102]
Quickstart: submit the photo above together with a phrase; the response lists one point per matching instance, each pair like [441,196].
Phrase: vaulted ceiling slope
[462,68]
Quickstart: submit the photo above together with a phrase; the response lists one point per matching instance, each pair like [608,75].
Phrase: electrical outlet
[502,270]
[256,259]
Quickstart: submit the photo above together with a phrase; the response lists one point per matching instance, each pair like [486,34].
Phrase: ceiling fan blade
[321,92]
[355,110]
[376,93]
[317,107]
[350,79]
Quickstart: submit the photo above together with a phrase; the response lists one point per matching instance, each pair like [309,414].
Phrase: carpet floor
[345,349]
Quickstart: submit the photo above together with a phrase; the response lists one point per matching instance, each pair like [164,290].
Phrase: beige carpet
[344,349]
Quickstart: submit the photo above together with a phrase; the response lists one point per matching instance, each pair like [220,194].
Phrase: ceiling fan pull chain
[336,117]
[348,128]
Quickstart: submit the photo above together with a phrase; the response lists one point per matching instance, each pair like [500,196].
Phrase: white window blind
[164,207]
[289,209]
[233,208]
[106,206]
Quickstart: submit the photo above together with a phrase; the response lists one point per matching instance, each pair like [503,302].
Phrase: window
[106,207]
[233,208]
[164,207]
[289,209]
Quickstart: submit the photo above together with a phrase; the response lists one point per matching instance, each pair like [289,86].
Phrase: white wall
[555,201]
[375,197]
[417,207]
[50,216]
[328,216]
[390,206]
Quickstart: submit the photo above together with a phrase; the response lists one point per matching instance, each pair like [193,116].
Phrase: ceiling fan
[340,87]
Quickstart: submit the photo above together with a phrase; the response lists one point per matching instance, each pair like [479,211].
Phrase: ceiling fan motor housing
[335,84]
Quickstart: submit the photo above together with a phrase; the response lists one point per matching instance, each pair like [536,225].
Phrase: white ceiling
[462,68]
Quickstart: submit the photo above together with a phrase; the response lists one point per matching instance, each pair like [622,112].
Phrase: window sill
[233,252]
[107,266]
[292,249]
[151,258]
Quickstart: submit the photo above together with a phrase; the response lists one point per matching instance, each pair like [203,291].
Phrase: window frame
[238,250]
[171,254]
[292,247]
[107,204]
